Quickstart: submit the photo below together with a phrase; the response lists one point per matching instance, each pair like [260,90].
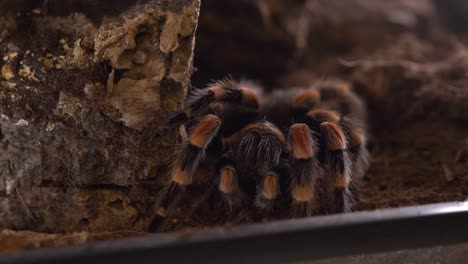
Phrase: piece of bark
[82,93]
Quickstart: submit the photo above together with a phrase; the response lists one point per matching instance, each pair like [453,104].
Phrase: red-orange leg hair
[188,157]
[199,101]
[268,191]
[338,165]
[357,145]
[228,184]
[304,171]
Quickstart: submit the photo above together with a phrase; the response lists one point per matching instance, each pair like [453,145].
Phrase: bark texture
[81,95]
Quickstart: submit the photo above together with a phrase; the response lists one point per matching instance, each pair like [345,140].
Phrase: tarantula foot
[234,201]
[342,200]
[303,200]
[156,221]
[303,209]
[228,186]
[268,192]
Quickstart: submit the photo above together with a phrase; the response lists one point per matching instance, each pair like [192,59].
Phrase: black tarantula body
[300,149]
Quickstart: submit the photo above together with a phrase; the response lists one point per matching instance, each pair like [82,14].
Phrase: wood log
[83,88]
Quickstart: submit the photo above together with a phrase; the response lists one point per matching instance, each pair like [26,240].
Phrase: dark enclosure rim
[277,241]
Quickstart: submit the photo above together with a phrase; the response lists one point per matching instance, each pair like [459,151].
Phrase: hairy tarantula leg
[357,147]
[170,194]
[187,161]
[260,146]
[304,171]
[268,191]
[228,184]
[303,102]
[339,96]
[221,91]
[316,117]
[338,162]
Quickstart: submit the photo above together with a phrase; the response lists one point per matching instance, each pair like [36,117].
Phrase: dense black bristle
[234,200]
[268,152]
[264,204]
[339,162]
[360,160]
[298,209]
[155,222]
[305,172]
[259,151]
[224,160]
[199,100]
[359,164]
[190,156]
[342,200]
[354,193]
[246,154]
[238,117]
[168,196]
[340,166]
[313,124]
[298,114]
[175,119]
[232,95]
[358,155]
[227,82]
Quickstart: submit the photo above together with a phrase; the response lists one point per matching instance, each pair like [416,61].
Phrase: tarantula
[300,149]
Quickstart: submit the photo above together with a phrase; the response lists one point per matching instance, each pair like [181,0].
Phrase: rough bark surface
[81,96]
